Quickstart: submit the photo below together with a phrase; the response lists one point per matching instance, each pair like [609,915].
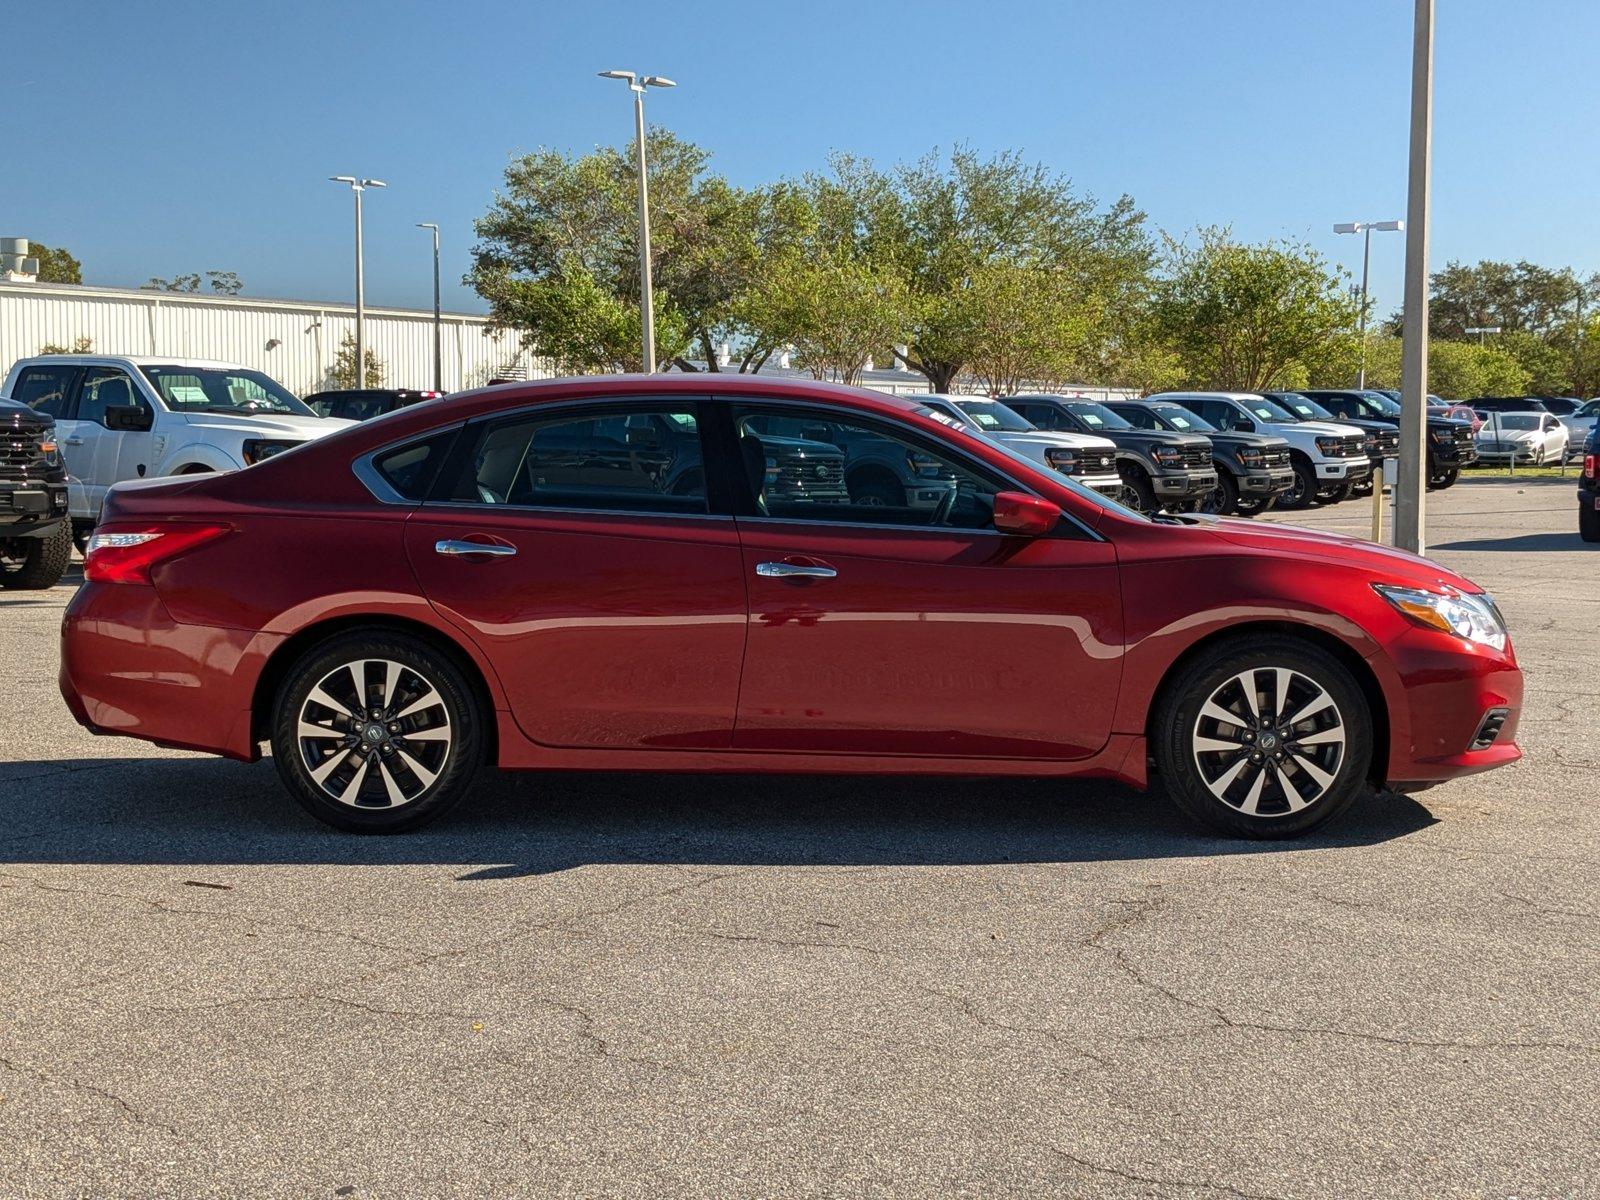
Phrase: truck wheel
[81,532]
[1302,492]
[1222,500]
[1589,523]
[872,492]
[1267,737]
[1143,496]
[1443,478]
[376,732]
[35,563]
[1339,493]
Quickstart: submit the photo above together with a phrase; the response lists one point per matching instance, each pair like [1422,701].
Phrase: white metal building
[294,341]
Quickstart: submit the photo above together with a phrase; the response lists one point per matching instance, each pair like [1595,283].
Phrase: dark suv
[362,404]
[1253,469]
[35,535]
[1160,467]
[1451,444]
[1589,488]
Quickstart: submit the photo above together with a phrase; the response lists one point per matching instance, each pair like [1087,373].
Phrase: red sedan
[696,573]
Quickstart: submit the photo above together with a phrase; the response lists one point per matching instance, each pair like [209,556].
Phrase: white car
[1579,421]
[120,418]
[1091,461]
[1534,438]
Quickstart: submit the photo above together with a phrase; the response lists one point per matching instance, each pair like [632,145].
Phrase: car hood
[1385,564]
[1318,428]
[1157,437]
[1240,438]
[268,424]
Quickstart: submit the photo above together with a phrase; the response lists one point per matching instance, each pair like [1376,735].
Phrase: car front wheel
[376,732]
[1263,738]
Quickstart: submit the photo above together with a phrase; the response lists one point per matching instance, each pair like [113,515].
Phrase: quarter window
[622,459]
[812,467]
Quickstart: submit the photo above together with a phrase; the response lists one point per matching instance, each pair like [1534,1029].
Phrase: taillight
[125,553]
[1590,464]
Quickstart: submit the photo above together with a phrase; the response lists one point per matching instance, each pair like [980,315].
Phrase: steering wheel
[947,502]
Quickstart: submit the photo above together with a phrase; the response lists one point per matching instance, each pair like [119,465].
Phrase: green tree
[80,345]
[835,309]
[1518,297]
[56,264]
[343,372]
[1241,316]
[224,283]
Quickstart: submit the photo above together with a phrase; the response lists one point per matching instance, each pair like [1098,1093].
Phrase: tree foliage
[225,283]
[56,264]
[342,374]
[1240,317]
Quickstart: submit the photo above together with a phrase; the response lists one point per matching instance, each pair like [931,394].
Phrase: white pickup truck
[123,418]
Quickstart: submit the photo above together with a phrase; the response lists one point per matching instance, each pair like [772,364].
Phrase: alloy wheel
[1269,742]
[374,733]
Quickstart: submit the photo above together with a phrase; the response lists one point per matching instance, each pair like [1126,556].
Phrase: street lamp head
[350,179]
[427,225]
[1347,227]
[660,81]
[628,75]
[373,183]
[1389,226]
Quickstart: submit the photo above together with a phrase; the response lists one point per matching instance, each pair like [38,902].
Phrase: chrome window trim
[649,514]
[366,470]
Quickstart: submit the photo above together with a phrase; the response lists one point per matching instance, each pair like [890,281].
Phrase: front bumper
[1107,485]
[1452,454]
[1182,485]
[1438,696]
[1268,482]
[26,507]
[1337,470]
[1522,454]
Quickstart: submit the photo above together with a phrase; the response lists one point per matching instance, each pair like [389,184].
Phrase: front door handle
[783,570]
[492,549]
[73,441]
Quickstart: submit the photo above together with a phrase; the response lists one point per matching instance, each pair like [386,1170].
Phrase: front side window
[1139,416]
[45,389]
[232,390]
[815,467]
[617,459]
[106,388]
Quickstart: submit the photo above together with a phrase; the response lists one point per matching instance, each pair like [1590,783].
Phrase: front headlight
[1167,456]
[1250,458]
[259,450]
[1459,614]
[1331,446]
[1060,460]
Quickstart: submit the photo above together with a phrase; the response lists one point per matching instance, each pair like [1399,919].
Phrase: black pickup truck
[1252,468]
[35,535]
[1451,444]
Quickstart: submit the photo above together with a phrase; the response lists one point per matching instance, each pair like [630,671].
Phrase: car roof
[137,360]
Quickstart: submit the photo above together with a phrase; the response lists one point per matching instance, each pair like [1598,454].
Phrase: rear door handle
[491,549]
[783,570]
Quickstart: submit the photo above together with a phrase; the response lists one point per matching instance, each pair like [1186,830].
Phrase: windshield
[1096,416]
[223,389]
[1516,420]
[1182,419]
[943,415]
[1305,407]
[1377,402]
[1263,409]
[991,416]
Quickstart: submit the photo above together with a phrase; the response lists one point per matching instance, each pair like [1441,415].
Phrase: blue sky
[159,138]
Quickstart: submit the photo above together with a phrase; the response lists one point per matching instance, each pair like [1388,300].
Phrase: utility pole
[438,326]
[1410,526]
[358,186]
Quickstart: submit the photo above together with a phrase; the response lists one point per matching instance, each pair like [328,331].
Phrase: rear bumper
[128,668]
[1438,697]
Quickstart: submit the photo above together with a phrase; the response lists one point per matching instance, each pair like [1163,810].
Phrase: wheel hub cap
[1269,741]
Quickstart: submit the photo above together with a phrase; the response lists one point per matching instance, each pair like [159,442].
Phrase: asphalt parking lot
[690,986]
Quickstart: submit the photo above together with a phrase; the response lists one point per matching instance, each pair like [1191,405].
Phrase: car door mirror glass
[1024,515]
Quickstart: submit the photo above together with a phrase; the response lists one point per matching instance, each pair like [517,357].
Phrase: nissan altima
[532,577]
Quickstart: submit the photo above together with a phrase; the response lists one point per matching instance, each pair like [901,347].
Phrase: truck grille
[1352,446]
[1275,458]
[18,455]
[808,479]
[1383,445]
[1094,462]
[1196,456]
[1463,435]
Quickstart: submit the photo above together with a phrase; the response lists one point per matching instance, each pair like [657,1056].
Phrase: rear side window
[45,389]
[645,459]
[410,469]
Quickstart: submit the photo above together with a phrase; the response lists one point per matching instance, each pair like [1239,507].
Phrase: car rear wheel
[1263,738]
[376,732]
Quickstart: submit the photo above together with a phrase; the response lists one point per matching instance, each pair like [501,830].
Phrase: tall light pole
[1366,228]
[1409,522]
[358,186]
[647,316]
[438,337]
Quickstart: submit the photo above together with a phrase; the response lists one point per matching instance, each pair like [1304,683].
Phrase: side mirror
[1024,515]
[129,418]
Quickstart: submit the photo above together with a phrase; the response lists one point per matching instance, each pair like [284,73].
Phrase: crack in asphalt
[1209,1185]
[134,1114]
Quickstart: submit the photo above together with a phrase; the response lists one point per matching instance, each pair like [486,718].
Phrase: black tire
[1589,523]
[457,712]
[1178,724]
[1339,493]
[1254,507]
[1443,478]
[1137,483]
[875,491]
[32,564]
[1223,500]
[81,532]
[1303,492]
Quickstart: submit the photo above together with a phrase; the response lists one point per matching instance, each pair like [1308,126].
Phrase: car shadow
[193,812]
[1522,542]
